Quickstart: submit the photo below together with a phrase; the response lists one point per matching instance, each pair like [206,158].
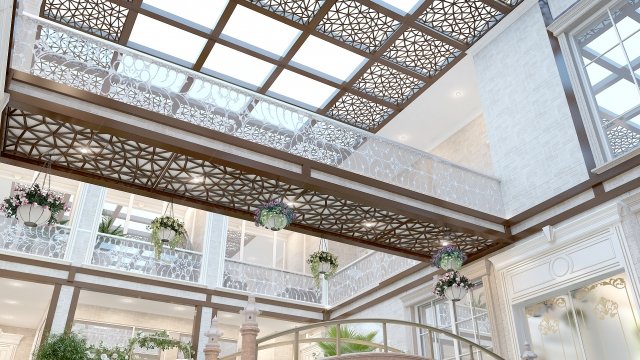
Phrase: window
[607,55]
[467,318]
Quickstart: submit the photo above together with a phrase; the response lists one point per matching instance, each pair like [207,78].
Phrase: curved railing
[135,256]
[294,338]
[55,52]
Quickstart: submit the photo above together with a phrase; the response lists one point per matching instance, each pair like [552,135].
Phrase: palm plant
[347,333]
[106,227]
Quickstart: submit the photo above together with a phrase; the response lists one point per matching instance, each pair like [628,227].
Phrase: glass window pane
[201,12]
[258,246]
[237,65]
[302,90]
[174,45]
[329,59]
[595,72]
[260,31]
[618,98]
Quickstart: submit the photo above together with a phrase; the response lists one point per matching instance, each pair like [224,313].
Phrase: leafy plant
[106,226]
[24,195]
[170,223]
[160,340]
[449,279]
[347,333]
[66,346]
[271,209]
[449,253]
[319,257]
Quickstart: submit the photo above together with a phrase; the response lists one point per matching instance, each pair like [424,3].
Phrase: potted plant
[449,257]
[452,286]
[275,215]
[66,346]
[33,206]
[166,230]
[322,262]
[107,226]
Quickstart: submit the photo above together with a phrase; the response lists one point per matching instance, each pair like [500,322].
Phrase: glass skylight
[238,66]
[259,31]
[176,45]
[400,6]
[205,13]
[319,55]
[301,89]
[596,72]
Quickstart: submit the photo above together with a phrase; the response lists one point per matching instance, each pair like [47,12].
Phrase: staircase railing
[293,340]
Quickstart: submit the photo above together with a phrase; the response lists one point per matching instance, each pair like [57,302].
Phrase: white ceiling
[137,305]
[438,113]
[23,304]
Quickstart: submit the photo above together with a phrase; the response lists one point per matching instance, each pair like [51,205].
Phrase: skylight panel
[260,31]
[236,65]
[205,13]
[156,37]
[329,59]
[278,116]
[302,90]
[619,98]
[400,6]
[596,72]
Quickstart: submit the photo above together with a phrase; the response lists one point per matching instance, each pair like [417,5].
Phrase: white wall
[559,6]
[534,145]
[6,9]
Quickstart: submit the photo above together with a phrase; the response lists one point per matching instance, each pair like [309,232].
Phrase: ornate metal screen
[47,241]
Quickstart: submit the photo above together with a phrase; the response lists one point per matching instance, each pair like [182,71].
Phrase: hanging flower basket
[452,286]
[322,263]
[449,257]
[166,230]
[33,206]
[275,215]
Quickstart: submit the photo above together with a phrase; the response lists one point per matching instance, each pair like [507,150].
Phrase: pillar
[63,307]
[249,331]
[6,10]
[214,249]
[87,214]
[212,348]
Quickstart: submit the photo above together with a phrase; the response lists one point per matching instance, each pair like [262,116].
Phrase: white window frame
[575,20]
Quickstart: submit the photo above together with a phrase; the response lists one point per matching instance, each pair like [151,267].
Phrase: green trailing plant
[319,257]
[160,340]
[449,255]
[107,226]
[347,333]
[274,215]
[449,279]
[24,195]
[170,223]
[66,346]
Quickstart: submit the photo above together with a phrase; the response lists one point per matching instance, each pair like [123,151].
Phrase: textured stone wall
[534,145]
[468,147]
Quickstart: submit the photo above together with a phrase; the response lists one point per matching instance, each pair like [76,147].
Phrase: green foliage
[107,227]
[347,333]
[166,222]
[322,257]
[67,346]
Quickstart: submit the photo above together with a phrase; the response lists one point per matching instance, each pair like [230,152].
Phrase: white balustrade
[47,241]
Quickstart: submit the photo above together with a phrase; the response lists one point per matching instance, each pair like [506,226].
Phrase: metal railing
[293,340]
[70,57]
[46,241]
[135,256]
[269,281]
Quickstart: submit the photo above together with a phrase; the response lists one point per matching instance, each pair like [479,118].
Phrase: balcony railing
[365,273]
[58,53]
[46,241]
[268,281]
[135,256]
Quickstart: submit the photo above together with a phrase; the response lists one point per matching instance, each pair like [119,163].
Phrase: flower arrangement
[452,285]
[45,204]
[166,230]
[322,262]
[274,215]
[450,257]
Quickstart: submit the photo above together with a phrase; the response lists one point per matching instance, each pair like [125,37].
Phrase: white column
[61,312]
[6,10]
[213,250]
[87,214]
[209,335]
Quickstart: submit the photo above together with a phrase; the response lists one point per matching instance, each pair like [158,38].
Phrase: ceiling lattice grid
[206,183]
[360,61]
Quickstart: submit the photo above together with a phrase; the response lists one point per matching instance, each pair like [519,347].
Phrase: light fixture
[126,300]
[368,224]
[179,308]
[10,302]
[403,137]
[84,150]
[444,243]
[197,179]
[16,284]
[458,93]
[7,317]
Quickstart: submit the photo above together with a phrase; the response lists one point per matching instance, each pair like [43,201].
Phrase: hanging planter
[449,257]
[166,230]
[322,263]
[33,206]
[452,286]
[275,215]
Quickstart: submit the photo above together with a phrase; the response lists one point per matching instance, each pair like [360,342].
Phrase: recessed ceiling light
[445,243]
[292,203]
[126,300]
[16,284]
[10,302]
[7,317]
[179,308]
[84,150]
[226,316]
[403,137]
[197,179]
[369,224]
[458,93]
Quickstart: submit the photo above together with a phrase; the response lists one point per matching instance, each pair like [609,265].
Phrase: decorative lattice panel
[359,112]
[301,11]
[102,18]
[388,84]
[357,25]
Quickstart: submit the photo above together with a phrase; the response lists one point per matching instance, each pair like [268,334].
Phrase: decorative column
[212,348]
[87,214]
[249,330]
[214,250]
[6,10]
